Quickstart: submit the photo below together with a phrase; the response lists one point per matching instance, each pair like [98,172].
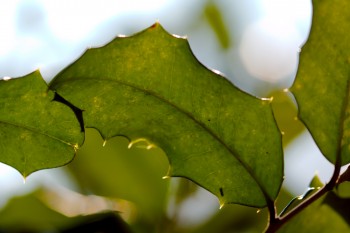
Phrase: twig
[275,222]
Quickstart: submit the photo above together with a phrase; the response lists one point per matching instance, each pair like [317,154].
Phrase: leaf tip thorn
[76,147]
[148,146]
[268,99]
[156,24]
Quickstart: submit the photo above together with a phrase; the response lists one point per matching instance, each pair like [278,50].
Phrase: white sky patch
[270,61]
[51,34]
[270,46]
[14,184]
[303,160]
[7,25]
[296,11]
[74,20]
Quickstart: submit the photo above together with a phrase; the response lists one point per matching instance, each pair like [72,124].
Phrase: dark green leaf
[150,88]
[343,186]
[343,190]
[35,131]
[328,214]
[314,186]
[322,84]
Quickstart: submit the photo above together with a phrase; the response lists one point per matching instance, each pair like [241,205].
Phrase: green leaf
[150,88]
[343,184]
[343,190]
[314,186]
[322,84]
[328,214]
[316,182]
[35,131]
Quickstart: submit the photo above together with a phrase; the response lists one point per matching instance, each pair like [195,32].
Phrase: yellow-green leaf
[322,84]
[150,88]
[36,132]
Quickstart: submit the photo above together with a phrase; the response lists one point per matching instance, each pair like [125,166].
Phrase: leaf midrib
[189,115]
[37,132]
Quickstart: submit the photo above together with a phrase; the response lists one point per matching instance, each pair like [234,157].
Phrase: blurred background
[255,44]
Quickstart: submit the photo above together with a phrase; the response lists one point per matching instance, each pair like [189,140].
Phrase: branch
[345,176]
[275,222]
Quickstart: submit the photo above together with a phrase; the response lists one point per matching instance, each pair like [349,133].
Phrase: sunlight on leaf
[36,132]
[322,86]
[330,213]
[151,86]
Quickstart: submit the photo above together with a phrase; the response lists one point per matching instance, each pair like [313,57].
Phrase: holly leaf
[322,84]
[330,213]
[36,132]
[150,88]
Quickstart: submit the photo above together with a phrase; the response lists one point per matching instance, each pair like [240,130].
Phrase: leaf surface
[330,213]
[150,88]
[35,131]
[322,84]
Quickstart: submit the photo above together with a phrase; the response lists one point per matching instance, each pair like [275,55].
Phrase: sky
[48,35]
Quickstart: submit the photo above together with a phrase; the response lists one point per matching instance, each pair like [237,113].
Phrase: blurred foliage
[330,213]
[218,24]
[343,190]
[314,186]
[30,213]
[133,174]
[343,187]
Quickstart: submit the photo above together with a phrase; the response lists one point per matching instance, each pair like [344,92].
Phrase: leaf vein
[190,116]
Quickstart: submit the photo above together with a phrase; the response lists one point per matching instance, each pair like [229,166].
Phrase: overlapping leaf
[150,88]
[35,131]
[330,213]
[322,86]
